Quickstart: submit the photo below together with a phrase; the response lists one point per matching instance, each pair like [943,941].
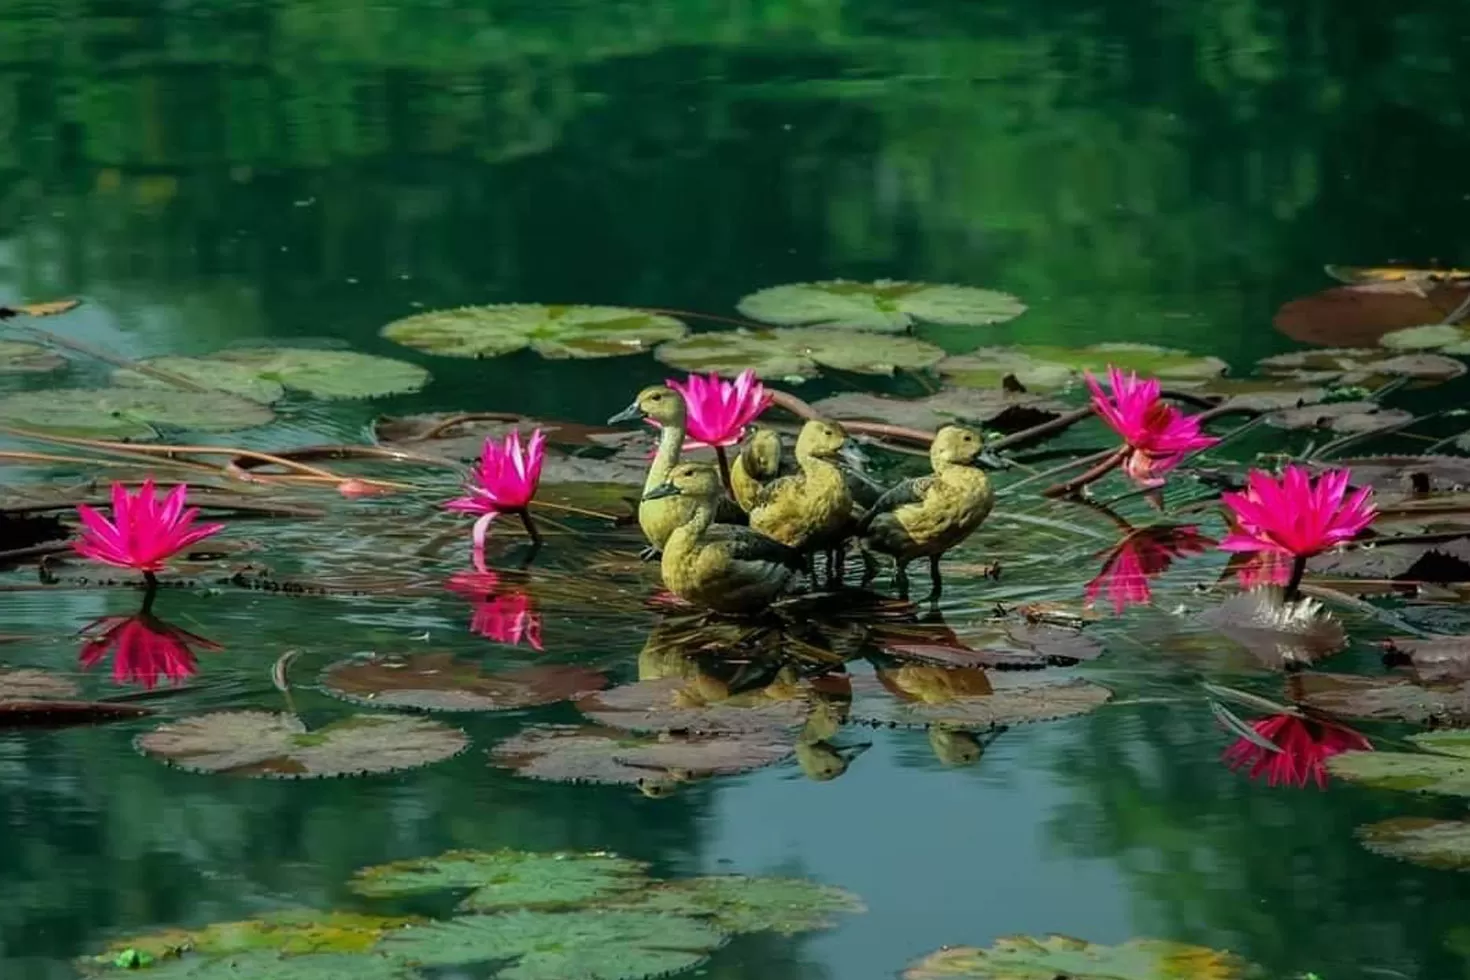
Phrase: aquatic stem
[280,678]
[1050,427]
[1109,463]
[1070,464]
[1294,584]
[150,592]
[879,430]
[724,469]
[536,539]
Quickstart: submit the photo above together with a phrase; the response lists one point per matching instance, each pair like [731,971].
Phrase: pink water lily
[144,532]
[1158,435]
[720,410]
[503,483]
[1296,516]
[143,649]
[1143,554]
[1305,746]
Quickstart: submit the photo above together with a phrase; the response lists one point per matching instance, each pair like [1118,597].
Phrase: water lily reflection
[143,649]
[1304,746]
[499,613]
[1144,553]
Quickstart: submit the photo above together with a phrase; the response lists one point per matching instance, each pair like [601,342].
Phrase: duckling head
[663,405]
[699,481]
[957,445]
[821,437]
[763,451]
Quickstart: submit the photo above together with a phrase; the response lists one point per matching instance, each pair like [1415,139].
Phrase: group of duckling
[739,551]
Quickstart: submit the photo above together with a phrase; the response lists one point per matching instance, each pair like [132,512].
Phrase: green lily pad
[551,331]
[263,744]
[271,966]
[738,904]
[439,682]
[129,413]
[507,879]
[1045,368]
[287,933]
[798,352]
[584,754]
[1456,743]
[1447,338]
[18,357]
[1064,958]
[588,945]
[263,373]
[1443,844]
[884,305]
[1417,772]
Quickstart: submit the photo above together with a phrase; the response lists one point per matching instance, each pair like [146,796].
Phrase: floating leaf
[1345,417]
[1387,273]
[1416,772]
[439,682]
[259,743]
[1447,338]
[672,705]
[1385,699]
[129,413]
[798,352]
[884,305]
[1456,743]
[271,966]
[1407,474]
[287,933]
[995,409]
[1440,561]
[740,904]
[262,373]
[1443,844]
[551,331]
[51,308]
[29,684]
[581,754]
[1358,315]
[587,945]
[965,699]
[506,879]
[1356,366]
[1064,958]
[1280,634]
[18,357]
[35,698]
[1044,368]
[1435,659]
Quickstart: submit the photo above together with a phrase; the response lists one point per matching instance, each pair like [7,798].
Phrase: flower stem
[1294,584]
[536,539]
[1102,469]
[150,592]
[724,469]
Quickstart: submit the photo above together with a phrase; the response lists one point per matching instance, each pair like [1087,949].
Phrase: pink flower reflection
[504,615]
[1305,746]
[143,648]
[1144,553]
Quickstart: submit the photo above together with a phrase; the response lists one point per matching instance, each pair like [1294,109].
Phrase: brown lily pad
[959,699]
[32,698]
[586,754]
[1358,315]
[1386,699]
[1344,417]
[264,744]
[439,682]
[994,408]
[1435,659]
[1260,394]
[672,704]
[1354,366]
[1408,474]
[1414,561]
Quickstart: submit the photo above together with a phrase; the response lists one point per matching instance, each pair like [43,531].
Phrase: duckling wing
[863,489]
[907,492]
[743,544]
[728,511]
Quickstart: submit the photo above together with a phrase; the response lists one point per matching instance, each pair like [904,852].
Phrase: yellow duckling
[810,510]
[723,567]
[657,516]
[927,516]
[759,461]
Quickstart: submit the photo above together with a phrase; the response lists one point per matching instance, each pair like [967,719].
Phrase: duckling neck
[818,470]
[961,476]
[670,443]
[687,535]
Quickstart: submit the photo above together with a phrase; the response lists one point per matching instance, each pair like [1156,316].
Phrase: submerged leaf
[439,682]
[884,305]
[262,744]
[1443,844]
[261,373]
[270,966]
[915,696]
[673,705]
[587,945]
[799,352]
[129,413]
[582,754]
[1045,368]
[1064,958]
[18,357]
[507,879]
[551,331]
[740,904]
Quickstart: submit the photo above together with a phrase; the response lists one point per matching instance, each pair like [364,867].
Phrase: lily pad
[1345,417]
[1415,772]
[1360,314]
[919,697]
[1278,633]
[551,331]
[671,704]
[995,409]
[263,744]
[587,945]
[507,879]
[1434,659]
[286,933]
[1261,394]
[1439,561]
[129,413]
[439,682]
[884,305]
[1046,368]
[28,684]
[798,352]
[263,373]
[271,966]
[1443,844]
[18,357]
[35,698]
[583,754]
[740,904]
[1386,699]
[1456,743]
[1064,958]
[1354,366]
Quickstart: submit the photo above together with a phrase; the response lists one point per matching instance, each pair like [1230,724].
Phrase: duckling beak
[853,456]
[992,461]
[661,491]
[629,414]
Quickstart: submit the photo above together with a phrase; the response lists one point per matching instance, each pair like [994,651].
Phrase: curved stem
[724,469]
[1058,424]
[150,592]
[1102,469]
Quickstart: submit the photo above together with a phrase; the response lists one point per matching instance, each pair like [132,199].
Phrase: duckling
[656,517]
[760,460]
[812,509]
[722,567]
[926,516]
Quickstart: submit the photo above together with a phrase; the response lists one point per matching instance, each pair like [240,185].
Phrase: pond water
[306,171]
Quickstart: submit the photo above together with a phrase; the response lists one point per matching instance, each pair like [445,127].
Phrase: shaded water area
[306,171]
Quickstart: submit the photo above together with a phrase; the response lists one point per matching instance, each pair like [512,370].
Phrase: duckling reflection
[819,759]
[955,747]
[935,685]
[926,516]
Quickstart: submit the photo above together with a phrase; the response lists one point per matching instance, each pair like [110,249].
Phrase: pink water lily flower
[1305,746]
[719,410]
[144,532]
[503,483]
[1143,554]
[143,649]
[1158,435]
[1296,515]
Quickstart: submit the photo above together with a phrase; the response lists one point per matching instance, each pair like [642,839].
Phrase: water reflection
[143,648]
[1142,554]
[499,612]
[1302,748]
